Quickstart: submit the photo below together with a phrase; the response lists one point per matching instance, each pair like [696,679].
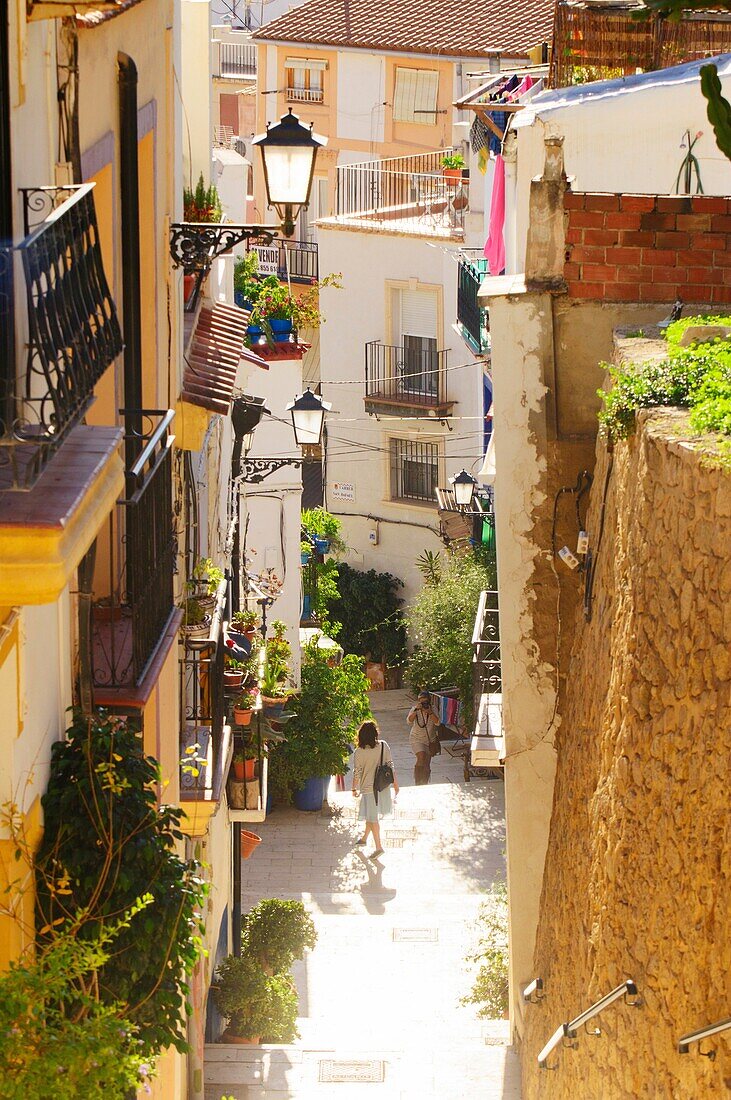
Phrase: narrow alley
[379,995]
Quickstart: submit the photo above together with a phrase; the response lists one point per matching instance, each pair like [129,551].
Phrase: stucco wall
[637,869]
[358,443]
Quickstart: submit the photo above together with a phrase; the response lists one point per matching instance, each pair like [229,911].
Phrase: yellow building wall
[17,889]
[148,271]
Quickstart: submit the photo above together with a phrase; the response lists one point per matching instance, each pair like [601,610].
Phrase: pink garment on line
[495,244]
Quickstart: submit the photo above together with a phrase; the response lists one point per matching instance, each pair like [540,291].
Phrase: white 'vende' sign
[268,256]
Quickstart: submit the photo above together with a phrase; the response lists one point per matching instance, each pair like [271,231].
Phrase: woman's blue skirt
[369,811]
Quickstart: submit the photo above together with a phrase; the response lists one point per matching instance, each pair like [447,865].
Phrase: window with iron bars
[414,470]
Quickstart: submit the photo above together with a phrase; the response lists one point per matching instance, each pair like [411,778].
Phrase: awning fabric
[213,360]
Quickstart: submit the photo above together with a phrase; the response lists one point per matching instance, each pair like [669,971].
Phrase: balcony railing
[472,317]
[305,95]
[202,716]
[73,334]
[486,668]
[300,260]
[237,59]
[404,194]
[405,376]
[135,565]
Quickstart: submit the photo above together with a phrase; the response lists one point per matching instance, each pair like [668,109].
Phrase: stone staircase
[483,1067]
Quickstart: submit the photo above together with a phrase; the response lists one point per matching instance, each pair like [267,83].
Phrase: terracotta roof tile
[214,355]
[93,17]
[451,28]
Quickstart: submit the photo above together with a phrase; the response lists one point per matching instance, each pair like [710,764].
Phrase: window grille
[414,470]
[415,96]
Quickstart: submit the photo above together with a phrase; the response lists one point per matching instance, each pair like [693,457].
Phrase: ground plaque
[415,935]
[357,1071]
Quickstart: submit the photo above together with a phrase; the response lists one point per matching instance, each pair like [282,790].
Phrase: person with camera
[424,737]
[369,760]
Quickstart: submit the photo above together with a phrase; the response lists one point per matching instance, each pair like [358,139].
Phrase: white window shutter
[418,313]
[415,96]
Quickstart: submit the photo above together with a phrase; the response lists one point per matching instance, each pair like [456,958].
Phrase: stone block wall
[648,248]
[637,879]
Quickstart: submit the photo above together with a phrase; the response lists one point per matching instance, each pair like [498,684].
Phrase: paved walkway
[381,989]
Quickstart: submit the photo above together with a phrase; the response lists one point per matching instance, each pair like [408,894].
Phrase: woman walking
[372,752]
[424,731]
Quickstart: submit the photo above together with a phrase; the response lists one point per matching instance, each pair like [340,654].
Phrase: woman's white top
[365,762]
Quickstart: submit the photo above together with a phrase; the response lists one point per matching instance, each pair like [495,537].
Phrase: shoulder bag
[383,777]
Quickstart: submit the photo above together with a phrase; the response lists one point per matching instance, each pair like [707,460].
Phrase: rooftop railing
[403,194]
[236,59]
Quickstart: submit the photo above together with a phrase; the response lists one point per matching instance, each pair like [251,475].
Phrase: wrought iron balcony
[403,194]
[134,608]
[69,327]
[486,666]
[471,315]
[409,377]
[299,260]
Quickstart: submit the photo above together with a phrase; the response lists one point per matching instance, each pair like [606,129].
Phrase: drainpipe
[130,202]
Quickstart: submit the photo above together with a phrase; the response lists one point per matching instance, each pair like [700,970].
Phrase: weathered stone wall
[637,879]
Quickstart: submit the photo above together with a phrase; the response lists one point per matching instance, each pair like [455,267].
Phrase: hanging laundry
[495,244]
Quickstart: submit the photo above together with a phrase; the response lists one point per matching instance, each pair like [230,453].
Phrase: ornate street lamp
[464,488]
[288,152]
[308,416]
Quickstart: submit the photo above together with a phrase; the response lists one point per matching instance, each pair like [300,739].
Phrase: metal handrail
[534,992]
[685,1041]
[569,1030]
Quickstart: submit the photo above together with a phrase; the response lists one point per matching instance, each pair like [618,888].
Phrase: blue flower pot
[322,546]
[240,301]
[311,797]
[305,557]
[306,608]
[281,328]
[270,803]
[254,332]
[273,709]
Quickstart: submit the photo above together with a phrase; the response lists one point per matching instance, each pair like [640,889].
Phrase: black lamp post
[288,152]
[463,485]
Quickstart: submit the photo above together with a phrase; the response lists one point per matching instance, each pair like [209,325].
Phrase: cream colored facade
[45,533]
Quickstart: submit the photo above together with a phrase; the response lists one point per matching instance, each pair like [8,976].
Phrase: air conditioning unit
[239,146]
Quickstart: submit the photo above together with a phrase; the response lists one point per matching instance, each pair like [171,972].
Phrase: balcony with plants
[425,194]
[205,734]
[473,319]
[134,619]
[59,333]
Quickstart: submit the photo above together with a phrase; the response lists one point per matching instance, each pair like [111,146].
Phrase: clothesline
[447,707]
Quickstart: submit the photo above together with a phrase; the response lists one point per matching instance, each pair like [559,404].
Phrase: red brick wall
[648,248]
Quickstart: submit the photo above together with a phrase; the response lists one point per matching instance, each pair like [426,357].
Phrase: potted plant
[323,530]
[258,1006]
[245,280]
[305,552]
[203,204]
[243,625]
[234,673]
[274,691]
[274,311]
[452,165]
[196,623]
[204,581]
[276,932]
[244,763]
[243,707]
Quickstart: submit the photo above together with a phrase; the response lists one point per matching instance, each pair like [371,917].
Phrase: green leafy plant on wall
[491,984]
[109,843]
[697,377]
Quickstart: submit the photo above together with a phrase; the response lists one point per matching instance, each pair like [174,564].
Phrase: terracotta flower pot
[242,717]
[227,1037]
[232,679]
[452,173]
[249,842]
